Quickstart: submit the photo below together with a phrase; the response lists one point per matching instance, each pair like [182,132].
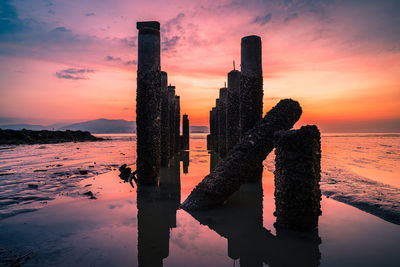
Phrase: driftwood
[232,171]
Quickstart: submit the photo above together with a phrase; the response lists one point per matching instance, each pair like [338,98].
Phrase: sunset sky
[75,60]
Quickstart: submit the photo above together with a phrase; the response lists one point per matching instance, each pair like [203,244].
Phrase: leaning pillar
[171,104]
[185,131]
[232,110]
[177,124]
[164,120]
[148,103]
[297,175]
[222,122]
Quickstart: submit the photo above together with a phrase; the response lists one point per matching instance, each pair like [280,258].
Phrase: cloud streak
[74,74]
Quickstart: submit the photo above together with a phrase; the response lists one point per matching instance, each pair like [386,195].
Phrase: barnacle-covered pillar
[148,103]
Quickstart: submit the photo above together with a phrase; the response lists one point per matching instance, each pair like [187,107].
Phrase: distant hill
[103,126]
[23,126]
[93,126]
[199,129]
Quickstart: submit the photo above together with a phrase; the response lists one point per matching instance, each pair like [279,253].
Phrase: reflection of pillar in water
[185,160]
[185,131]
[297,176]
[171,104]
[177,124]
[157,208]
[164,120]
[148,103]
[222,122]
[232,110]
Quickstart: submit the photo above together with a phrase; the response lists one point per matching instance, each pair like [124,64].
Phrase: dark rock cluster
[297,177]
[19,137]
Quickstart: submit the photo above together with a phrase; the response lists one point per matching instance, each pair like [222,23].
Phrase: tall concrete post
[297,176]
[233,113]
[251,83]
[222,122]
[148,103]
[171,104]
[164,120]
[177,124]
[185,131]
[251,90]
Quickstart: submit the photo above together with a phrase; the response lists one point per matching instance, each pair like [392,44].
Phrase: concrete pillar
[177,123]
[297,176]
[216,126]
[251,83]
[171,104]
[164,120]
[232,118]
[148,103]
[185,132]
[222,122]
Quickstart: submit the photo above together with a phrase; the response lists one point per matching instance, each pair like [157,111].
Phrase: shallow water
[123,227]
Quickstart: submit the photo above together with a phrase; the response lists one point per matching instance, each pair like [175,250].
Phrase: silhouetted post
[216,140]
[164,120]
[148,103]
[222,122]
[251,83]
[177,124]
[297,176]
[171,104]
[210,136]
[185,131]
[232,118]
[232,171]
[251,89]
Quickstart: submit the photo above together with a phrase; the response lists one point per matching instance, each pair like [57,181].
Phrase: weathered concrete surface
[185,131]
[251,83]
[171,104]
[177,124]
[297,176]
[217,110]
[232,172]
[232,110]
[214,126]
[223,95]
[164,120]
[148,103]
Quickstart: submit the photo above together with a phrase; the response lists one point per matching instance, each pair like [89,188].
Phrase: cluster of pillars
[240,104]
[157,109]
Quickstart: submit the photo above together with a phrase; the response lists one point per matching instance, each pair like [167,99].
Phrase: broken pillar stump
[148,103]
[185,132]
[171,105]
[222,122]
[232,110]
[232,171]
[177,124]
[297,176]
[164,120]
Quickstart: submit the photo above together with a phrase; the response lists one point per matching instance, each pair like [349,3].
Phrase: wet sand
[73,230]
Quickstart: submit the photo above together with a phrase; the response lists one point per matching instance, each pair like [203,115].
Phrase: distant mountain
[93,126]
[199,129]
[103,126]
[23,126]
